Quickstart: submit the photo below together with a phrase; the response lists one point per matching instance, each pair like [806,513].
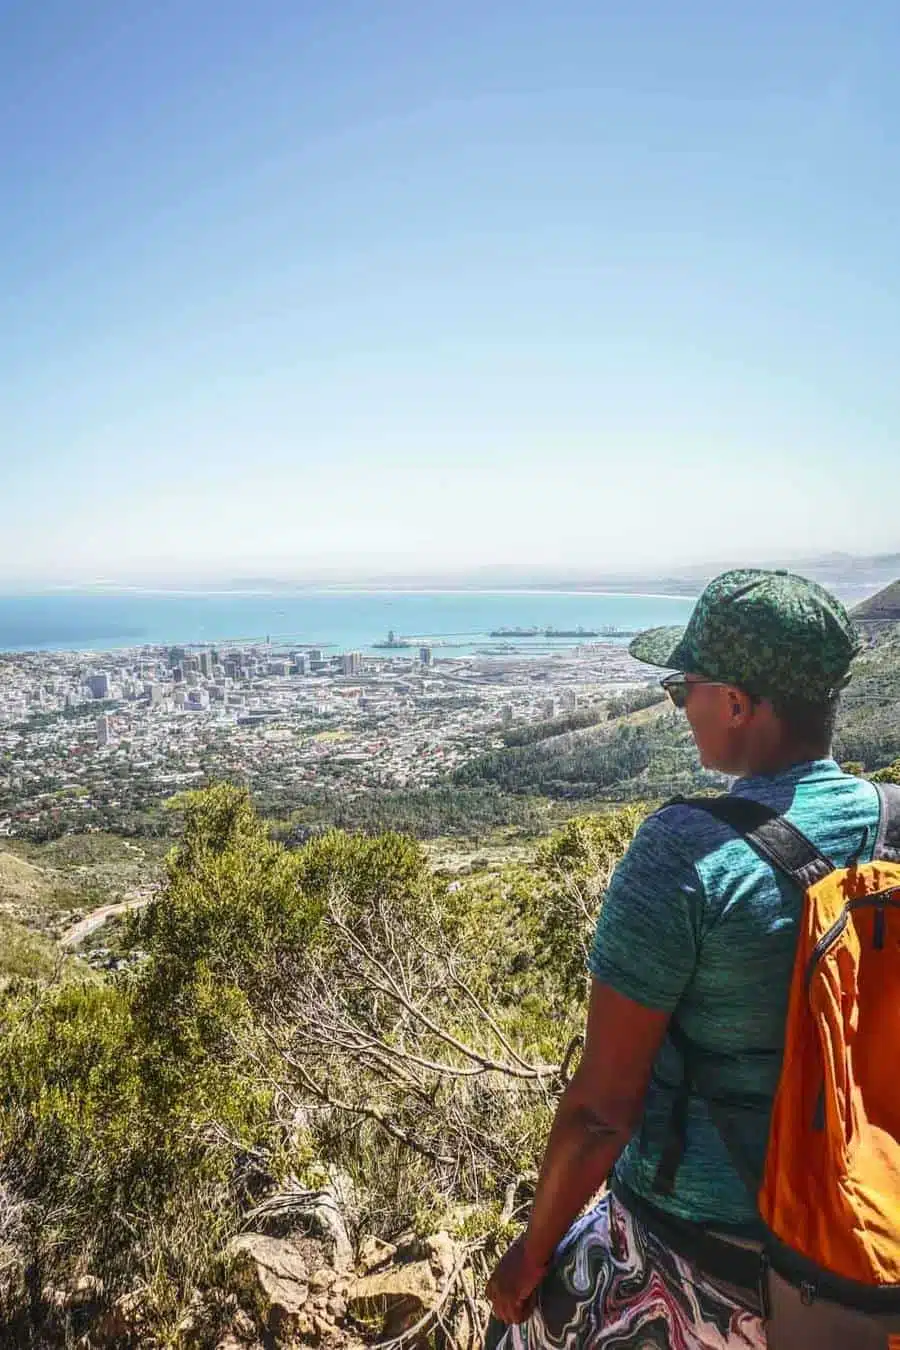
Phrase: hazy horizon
[415,289]
[865,570]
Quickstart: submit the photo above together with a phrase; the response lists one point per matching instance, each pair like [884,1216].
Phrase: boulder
[296,1211]
[442,1256]
[391,1301]
[327,1221]
[373,1252]
[243,1326]
[270,1276]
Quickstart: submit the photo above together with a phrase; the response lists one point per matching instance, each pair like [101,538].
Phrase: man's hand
[512,1289]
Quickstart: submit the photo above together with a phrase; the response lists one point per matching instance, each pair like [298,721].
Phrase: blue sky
[293,283]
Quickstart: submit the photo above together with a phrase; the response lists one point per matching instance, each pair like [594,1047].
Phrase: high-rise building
[351,663]
[301,663]
[506,714]
[103,732]
[154,693]
[316,656]
[99,684]
[206,664]
[178,674]
[426,656]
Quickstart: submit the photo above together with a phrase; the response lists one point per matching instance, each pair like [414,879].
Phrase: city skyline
[293,289]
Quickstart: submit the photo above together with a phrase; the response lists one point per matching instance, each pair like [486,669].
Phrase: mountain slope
[883,607]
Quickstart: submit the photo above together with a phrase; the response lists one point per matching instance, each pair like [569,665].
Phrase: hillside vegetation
[335,1011]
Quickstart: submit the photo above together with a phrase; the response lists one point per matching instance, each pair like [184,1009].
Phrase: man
[694,947]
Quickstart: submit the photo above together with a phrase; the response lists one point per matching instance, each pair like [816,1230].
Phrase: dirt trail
[84,927]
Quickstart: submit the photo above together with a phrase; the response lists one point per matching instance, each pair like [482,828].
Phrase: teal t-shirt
[696,923]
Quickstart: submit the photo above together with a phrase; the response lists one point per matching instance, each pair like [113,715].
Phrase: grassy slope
[45,888]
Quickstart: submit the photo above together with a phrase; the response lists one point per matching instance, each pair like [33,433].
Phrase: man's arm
[644,954]
[595,1119]
[597,1113]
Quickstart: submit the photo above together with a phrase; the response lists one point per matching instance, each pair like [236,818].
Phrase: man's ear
[740,704]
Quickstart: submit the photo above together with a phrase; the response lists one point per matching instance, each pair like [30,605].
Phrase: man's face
[721,718]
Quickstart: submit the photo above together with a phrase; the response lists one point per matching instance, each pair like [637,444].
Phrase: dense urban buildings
[135,726]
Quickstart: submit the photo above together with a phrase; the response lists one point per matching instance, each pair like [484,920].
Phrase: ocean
[456,622]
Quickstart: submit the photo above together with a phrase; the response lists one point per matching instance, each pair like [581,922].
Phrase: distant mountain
[883,607]
[852,577]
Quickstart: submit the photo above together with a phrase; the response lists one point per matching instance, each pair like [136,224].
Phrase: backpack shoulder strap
[770,834]
[783,846]
[887,840]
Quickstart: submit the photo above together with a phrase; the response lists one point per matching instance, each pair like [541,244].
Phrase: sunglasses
[677,686]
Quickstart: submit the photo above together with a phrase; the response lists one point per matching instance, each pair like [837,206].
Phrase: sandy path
[84,927]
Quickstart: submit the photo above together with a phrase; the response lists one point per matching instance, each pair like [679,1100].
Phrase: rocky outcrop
[296,1296]
[393,1300]
[271,1279]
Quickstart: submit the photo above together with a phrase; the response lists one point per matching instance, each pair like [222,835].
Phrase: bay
[456,622]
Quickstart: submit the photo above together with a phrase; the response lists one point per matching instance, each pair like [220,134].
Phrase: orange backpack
[830,1192]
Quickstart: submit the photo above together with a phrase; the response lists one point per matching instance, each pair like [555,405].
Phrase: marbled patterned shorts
[614,1286]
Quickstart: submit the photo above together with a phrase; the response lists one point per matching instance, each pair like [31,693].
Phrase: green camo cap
[772,634]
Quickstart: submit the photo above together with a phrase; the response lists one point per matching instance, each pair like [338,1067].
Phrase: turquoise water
[457,621]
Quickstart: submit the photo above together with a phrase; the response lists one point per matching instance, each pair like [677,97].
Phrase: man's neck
[781,758]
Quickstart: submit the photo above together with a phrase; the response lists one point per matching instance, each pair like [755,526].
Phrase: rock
[193,1315]
[303,1327]
[322,1279]
[394,1299]
[271,1277]
[374,1253]
[243,1325]
[321,1327]
[441,1255]
[327,1220]
[297,1211]
[337,1308]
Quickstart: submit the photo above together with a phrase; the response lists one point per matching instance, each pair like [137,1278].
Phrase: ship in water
[393,643]
[579,632]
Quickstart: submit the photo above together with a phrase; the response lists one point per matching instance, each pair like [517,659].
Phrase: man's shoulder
[829,808]
[687,828]
[671,841]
